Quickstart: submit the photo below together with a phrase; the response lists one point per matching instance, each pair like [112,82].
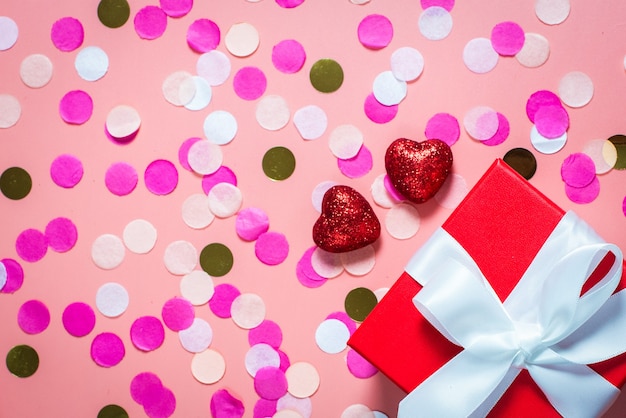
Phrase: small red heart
[347,221]
[418,169]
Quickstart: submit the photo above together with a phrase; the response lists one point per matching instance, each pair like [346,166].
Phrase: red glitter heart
[347,221]
[418,169]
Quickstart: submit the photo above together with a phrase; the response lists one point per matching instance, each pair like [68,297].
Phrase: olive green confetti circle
[22,361]
[216,259]
[15,183]
[620,145]
[112,411]
[522,161]
[359,303]
[326,75]
[113,13]
[279,163]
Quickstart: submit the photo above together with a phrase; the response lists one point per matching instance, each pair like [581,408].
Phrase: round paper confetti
[222,175]
[15,183]
[388,90]
[576,89]
[271,248]
[203,95]
[225,405]
[287,413]
[345,141]
[150,22]
[479,56]
[452,192]
[197,287]
[402,221]
[380,195]
[107,349]
[183,152]
[540,99]
[205,157]
[14,275]
[107,251]
[310,121]
[112,300]
[551,121]
[272,112]
[435,23]
[357,166]
[216,259]
[144,386]
[196,213]
[248,310]
[619,142]
[358,366]
[33,317]
[357,411]
[546,145]
[522,161]
[176,8]
[507,38]
[297,407]
[264,408]
[305,273]
[326,264]
[66,171]
[359,262]
[270,383]
[214,66]
[552,12]
[61,234]
[343,317]
[223,297]
[91,63]
[583,195]
[288,56]
[501,135]
[9,32]
[203,35]
[603,153]
[251,223]
[123,121]
[179,88]
[377,112]
[161,177]
[208,367]
[112,411]
[180,257]
[76,107]
[147,333]
[443,126]
[121,179]
[407,63]
[36,71]
[259,356]
[268,332]
[22,361]
[446,4]
[326,75]
[278,163]
[178,314]
[10,111]
[359,303]
[303,379]
[242,39]
[249,83]
[161,403]
[31,245]
[197,337]
[481,123]
[375,31]
[78,319]
[220,127]
[578,170]
[113,13]
[332,336]
[535,52]
[139,236]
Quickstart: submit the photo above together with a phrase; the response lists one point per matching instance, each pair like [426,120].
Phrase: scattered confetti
[359,262]
[178,314]
[380,194]
[249,83]
[481,123]
[147,333]
[176,8]
[112,411]
[375,31]
[288,56]
[123,122]
[552,12]
[225,405]
[91,63]
[180,257]
[197,287]
[388,90]
[359,303]
[76,107]
[443,126]
[9,33]
[479,56]
[247,310]
[14,275]
[306,274]
[402,221]
[22,361]
[112,299]
[358,366]
[603,153]
[535,51]
[31,245]
[407,63]
[268,332]
[547,145]
[271,248]
[270,383]
[303,379]
[261,355]
[203,35]
[113,13]
[33,317]
[107,251]
[66,171]
[251,223]
[139,236]
[576,89]
[551,121]
[203,94]
[279,163]
[208,367]
[205,157]
[377,112]
[150,22]
[222,175]
[216,259]
[311,122]
[197,337]
[332,336]
[502,133]
[10,111]
[357,166]
[79,319]
[61,234]
[345,141]
[435,23]
[507,38]
[196,212]
[223,296]
[214,66]
[583,195]
[326,75]
[179,88]
[36,71]
[522,161]
[272,112]
[15,183]
[452,192]
[326,264]
[242,39]
[357,411]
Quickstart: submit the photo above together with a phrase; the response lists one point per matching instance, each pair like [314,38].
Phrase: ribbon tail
[458,389]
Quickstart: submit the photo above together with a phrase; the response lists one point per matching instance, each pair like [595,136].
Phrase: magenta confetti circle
[107,349]
[176,8]
[267,332]
[66,171]
[507,38]
[161,404]
[251,223]
[203,35]
[357,166]
[178,314]
[161,177]
[270,383]
[78,319]
[444,127]
[289,4]
[585,194]
[225,405]
[375,31]
[183,152]
[504,129]
[358,366]
[271,248]
[147,333]
[222,175]
[67,34]
[121,179]
[249,83]
[446,4]
[33,317]
[306,274]
[284,360]
[540,99]
[264,408]
[578,170]
[144,386]
[76,107]
[61,234]
[15,276]
[378,112]
[223,296]
[150,22]
[551,121]
[31,245]
[288,56]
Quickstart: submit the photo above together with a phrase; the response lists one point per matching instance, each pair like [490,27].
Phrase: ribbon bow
[544,326]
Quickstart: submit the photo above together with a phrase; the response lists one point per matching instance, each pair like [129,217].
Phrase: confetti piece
[284,360]
[225,405]
[546,145]
[123,121]
[481,123]
[332,336]
[139,236]
[205,157]
[66,171]
[268,332]
[359,262]
[395,194]
[539,99]
[264,408]
[407,63]
[345,318]
[216,259]
[223,296]
[15,183]
[452,192]
[357,166]
[183,152]
[272,112]
[306,274]
[249,83]
[507,38]
[326,75]
[121,179]
[10,111]
[112,411]
[14,275]
[380,194]
[259,356]
[176,8]
[31,245]
[247,310]
[178,314]
[147,333]
[251,223]
[289,4]
[180,257]
[287,413]
[76,107]
[33,317]
[326,264]
[214,66]
[112,299]
[358,366]
[345,141]
[435,23]
[303,407]
[535,52]
[208,367]
[619,141]
[288,56]
[375,31]
[551,121]
[357,411]
[150,22]
[317,196]
[78,319]
[552,12]
[522,161]
[377,112]
[576,89]
[36,70]
[443,126]
[446,4]
[278,163]
[9,33]
[113,13]
[388,90]
[107,349]
[145,386]
[270,383]
[203,35]
[479,56]
[197,337]
[303,379]
[61,234]
[583,195]
[578,170]
[91,63]
[202,97]
[242,39]
[359,302]
[311,122]
[603,153]
[197,287]
[271,248]
[160,404]
[161,177]
[196,213]
[179,88]
[22,361]
[107,251]
[501,135]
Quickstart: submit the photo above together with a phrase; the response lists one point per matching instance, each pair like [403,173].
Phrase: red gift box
[502,224]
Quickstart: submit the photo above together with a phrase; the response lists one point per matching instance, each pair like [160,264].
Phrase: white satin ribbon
[544,326]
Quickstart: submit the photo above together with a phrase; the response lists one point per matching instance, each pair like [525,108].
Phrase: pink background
[68,382]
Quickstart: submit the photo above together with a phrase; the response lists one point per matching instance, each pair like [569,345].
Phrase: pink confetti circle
[33,317]
[161,404]
[144,386]
[222,175]
[357,166]
[540,99]
[289,4]
[147,333]
[288,56]
[358,366]
[78,319]
[161,177]
[268,332]
[107,349]
[203,35]
[446,4]
[251,223]
[67,34]
[183,152]
[66,171]
[306,274]
[178,314]
[578,170]
[15,276]
[249,83]
[585,194]
[551,121]
[271,248]
[225,405]
[264,408]
[121,179]
[150,22]
[507,38]
[31,245]
[223,296]
[176,8]
[61,234]
[270,383]
[378,112]
[375,31]
[443,126]
[395,194]
[76,107]
[504,129]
